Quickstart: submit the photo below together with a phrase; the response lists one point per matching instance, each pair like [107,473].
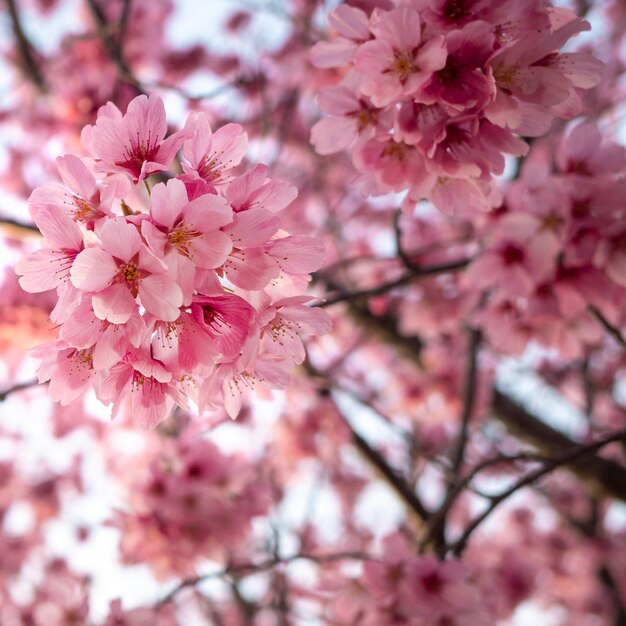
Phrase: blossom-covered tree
[313,311]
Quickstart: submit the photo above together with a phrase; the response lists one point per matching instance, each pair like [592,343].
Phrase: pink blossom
[351,24]
[121,270]
[463,83]
[134,143]
[69,370]
[187,234]
[212,155]
[350,117]
[50,267]
[397,63]
[144,384]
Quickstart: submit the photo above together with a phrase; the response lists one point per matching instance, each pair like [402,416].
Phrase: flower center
[394,150]
[403,64]
[180,237]
[130,275]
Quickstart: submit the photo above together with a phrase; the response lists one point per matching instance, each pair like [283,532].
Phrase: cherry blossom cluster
[434,92]
[405,588]
[191,291]
[556,247]
[195,497]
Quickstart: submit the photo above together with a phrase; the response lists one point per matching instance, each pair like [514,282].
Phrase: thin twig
[17,387]
[414,274]
[612,330]
[406,261]
[111,46]
[469,397]
[245,569]
[29,64]
[580,451]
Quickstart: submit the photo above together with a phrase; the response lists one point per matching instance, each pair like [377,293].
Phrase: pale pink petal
[114,304]
[93,270]
[76,176]
[168,201]
[120,239]
[161,296]
[333,134]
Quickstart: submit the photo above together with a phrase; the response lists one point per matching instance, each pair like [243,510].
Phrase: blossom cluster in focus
[186,289]
[433,93]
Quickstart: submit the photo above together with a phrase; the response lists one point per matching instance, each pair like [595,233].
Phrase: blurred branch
[245,569]
[604,476]
[18,387]
[564,459]
[11,224]
[414,274]
[406,261]
[612,330]
[113,46]
[123,24]
[469,397]
[26,49]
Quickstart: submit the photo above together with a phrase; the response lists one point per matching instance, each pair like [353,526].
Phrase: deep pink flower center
[512,254]
[394,150]
[64,262]
[450,74]
[138,152]
[432,583]
[213,318]
[181,236]
[130,275]
[403,64]
[456,10]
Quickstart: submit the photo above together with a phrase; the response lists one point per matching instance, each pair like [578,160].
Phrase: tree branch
[604,476]
[26,49]
[112,47]
[612,330]
[414,274]
[469,398]
[245,569]
[17,387]
[573,455]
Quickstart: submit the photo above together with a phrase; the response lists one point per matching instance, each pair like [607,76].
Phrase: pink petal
[114,304]
[120,239]
[93,270]
[161,296]
[76,176]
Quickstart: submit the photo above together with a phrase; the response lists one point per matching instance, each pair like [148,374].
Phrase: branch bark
[29,64]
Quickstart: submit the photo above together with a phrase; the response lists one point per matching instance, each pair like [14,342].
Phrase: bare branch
[469,397]
[246,569]
[18,387]
[26,49]
[566,458]
[415,274]
[612,330]
[112,46]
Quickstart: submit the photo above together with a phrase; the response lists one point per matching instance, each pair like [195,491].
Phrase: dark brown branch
[415,274]
[18,387]
[392,478]
[27,52]
[469,398]
[246,569]
[112,46]
[575,455]
[12,224]
[612,330]
[406,261]
[604,476]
